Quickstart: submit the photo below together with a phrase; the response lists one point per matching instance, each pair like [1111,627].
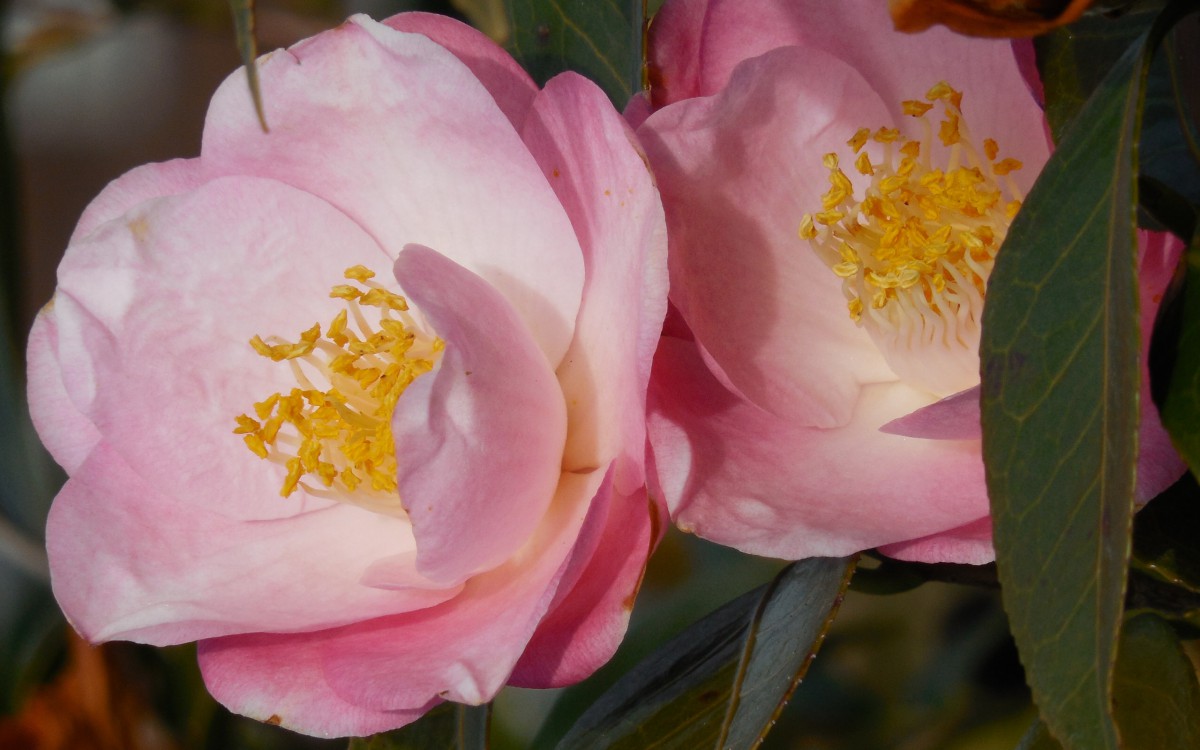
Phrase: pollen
[914,251]
[332,432]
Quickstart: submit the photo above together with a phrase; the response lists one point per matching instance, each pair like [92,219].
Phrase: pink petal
[282,681]
[462,650]
[135,187]
[697,45]
[479,441]
[129,562]
[953,418]
[508,83]
[1159,465]
[66,433]
[154,313]
[970,543]
[739,476]
[737,173]
[399,134]
[588,155]
[590,615]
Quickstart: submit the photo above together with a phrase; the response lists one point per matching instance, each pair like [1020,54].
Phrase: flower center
[914,253]
[339,434]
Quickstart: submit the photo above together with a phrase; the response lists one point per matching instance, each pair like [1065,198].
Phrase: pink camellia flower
[422,309]
[836,193]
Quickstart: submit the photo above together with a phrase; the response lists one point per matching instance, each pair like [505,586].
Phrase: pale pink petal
[281,680]
[154,314]
[479,440]
[970,543]
[739,476]
[952,418]
[737,173]
[701,52]
[1159,465]
[463,650]
[396,132]
[66,433]
[508,83]
[591,613]
[129,562]
[135,187]
[587,153]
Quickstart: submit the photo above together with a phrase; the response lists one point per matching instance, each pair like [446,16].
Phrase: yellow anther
[828,217]
[859,139]
[855,306]
[345,291]
[384,298]
[991,149]
[246,425]
[256,445]
[1004,166]
[946,93]
[948,131]
[914,108]
[886,135]
[830,161]
[863,164]
[808,230]
[359,273]
[911,149]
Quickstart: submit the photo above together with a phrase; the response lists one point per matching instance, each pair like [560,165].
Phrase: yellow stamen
[922,240]
[341,437]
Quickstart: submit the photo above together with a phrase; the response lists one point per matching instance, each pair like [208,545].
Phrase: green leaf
[243,27]
[1155,692]
[722,682]
[1181,407]
[1074,59]
[1169,150]
[1060,364]
[450,726]
[602,39]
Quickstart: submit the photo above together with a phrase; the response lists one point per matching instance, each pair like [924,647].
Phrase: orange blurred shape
[87,707]
[996,18]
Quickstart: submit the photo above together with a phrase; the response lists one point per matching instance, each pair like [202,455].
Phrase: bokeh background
[92,88]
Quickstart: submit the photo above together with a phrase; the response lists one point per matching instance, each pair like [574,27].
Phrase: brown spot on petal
[274,720]
[990,18]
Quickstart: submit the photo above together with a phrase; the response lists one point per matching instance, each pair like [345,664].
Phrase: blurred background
[92,88]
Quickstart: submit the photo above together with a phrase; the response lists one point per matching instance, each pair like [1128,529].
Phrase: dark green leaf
[602,39]
[722,682]
[243,26]
[1181,407]
[1169,154]
[1060,362]
[450,726]
[1155,693]
[1072,60]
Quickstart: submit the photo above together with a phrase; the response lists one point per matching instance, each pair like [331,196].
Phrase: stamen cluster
[340,435]
[914,253]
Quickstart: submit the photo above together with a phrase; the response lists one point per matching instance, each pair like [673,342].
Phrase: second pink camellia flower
[423,309]
[836,193]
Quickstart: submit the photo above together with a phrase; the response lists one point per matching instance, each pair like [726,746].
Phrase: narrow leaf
[722,682]
[602,39]
[243,26]
[1073,60]
[1060,368]
[450,726]
[1155,692]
